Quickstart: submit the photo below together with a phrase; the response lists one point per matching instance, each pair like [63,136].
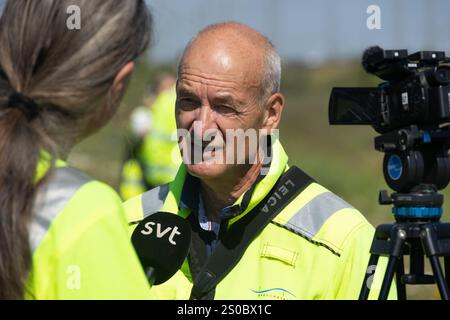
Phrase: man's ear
[273,110]
[120,81]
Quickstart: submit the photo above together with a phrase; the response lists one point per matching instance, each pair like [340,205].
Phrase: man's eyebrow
[185,91]
[224,97]
[228,99]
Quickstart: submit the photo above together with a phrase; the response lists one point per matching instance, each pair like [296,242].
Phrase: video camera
[409,109]
[416,91]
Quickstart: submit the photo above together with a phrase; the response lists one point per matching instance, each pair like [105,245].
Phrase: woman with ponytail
[63,235]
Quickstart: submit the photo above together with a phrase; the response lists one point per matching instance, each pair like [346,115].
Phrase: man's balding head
[228,82]
[235,45]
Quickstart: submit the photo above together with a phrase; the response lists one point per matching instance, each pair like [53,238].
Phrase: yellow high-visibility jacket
[79,241]
[317,247]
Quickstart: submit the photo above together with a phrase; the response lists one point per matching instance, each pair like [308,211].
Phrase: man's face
[218,93]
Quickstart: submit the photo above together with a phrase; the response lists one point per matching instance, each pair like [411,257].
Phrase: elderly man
[261,230]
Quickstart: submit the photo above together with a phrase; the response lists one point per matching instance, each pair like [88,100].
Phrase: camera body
[416,91]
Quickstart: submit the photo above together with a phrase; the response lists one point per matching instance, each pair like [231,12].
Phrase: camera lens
[443,76]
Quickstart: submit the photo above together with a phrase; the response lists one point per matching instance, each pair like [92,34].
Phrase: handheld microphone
[162,243]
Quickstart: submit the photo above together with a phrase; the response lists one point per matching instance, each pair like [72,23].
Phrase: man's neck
[221,193]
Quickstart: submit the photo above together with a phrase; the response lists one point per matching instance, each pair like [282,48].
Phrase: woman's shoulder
[65,186]
[68,199]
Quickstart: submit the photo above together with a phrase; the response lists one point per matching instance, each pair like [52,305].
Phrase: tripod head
[416,165]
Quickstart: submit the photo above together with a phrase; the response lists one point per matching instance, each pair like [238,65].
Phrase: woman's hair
[53,82]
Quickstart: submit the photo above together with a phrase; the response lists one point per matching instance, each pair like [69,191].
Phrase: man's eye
[187,103]
[225,109]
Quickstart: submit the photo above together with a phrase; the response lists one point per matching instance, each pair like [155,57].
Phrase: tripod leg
[398,241]
[439,276]
[388,277]
[401,287]
[365,290]
[447,269]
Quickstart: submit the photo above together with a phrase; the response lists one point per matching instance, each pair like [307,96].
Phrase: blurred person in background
[153,157]
[62,234]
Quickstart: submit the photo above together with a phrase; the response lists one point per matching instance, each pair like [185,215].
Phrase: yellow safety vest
[79,241]
[317,247]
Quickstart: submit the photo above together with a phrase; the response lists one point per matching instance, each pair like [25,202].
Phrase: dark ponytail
[53,82]
[19,154]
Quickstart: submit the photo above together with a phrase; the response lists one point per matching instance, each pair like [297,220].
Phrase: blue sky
[307,30]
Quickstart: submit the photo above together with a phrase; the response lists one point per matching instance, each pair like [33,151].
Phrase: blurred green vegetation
[341,158]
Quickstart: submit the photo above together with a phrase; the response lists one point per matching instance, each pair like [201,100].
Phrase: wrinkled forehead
[229,61]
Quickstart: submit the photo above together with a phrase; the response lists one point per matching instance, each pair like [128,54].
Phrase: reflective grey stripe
[162,136]
[309,219]
[153,200]
[51,199]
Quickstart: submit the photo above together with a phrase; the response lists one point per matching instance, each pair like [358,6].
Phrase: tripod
[418,231]
[417,238]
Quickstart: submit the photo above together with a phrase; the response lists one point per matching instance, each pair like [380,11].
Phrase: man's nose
[205,120]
